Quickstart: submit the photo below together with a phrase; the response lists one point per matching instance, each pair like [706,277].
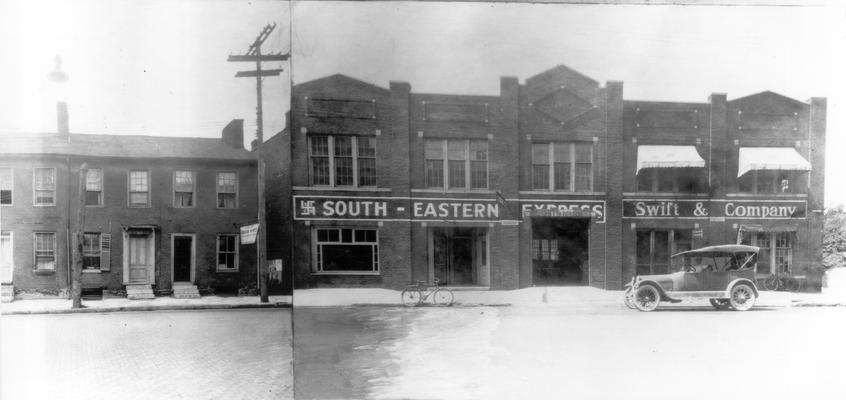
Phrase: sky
[159,67]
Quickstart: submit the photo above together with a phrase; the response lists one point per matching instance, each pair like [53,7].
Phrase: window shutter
[105,251]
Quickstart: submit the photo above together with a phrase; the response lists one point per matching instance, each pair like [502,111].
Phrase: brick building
[161,214]
[555,181]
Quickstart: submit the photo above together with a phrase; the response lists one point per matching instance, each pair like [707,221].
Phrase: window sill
[666,194]
[560,192]
[343,188]
[371,273]
[44,272]
[93,206]
[227,271]
[91,271]
[451,191]
[43,205]
[780,195]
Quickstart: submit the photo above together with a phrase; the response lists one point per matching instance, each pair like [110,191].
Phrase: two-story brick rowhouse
[160,214]
[555,181]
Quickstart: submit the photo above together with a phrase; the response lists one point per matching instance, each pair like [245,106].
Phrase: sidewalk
[570,297]
[63,306]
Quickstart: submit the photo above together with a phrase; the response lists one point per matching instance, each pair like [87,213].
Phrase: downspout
[68,222]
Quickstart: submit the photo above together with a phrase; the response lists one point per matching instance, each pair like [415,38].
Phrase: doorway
[183,258]
[560,249]
[459,256]
[139,256]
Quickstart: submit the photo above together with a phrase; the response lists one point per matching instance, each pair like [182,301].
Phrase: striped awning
[770,158]
[649,156]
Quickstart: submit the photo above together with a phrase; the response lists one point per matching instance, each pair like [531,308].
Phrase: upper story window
[139,188]
[94,187]
[44,186]
[456,164]
[6,186]
[771,181]
[672,180]
[562,166]
[183,189]
[45,250]
[227,190]
[342,160]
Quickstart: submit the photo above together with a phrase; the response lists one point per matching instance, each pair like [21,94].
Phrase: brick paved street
[219,354]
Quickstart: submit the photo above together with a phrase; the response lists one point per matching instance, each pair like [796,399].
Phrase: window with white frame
[44,186]
[456,164]
[94,187]
[91,251]
[776,253]
[183,189]
[227,190]
[562,166]
[45,250]
[342,160]
[6,186]
[227,252]
[139,188]
[6,256]
[346,250]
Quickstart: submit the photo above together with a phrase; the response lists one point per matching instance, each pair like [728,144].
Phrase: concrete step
[185,291]
[139,292]
[8,294]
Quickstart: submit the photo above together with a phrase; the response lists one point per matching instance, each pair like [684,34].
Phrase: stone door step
[139,292]
[185,291]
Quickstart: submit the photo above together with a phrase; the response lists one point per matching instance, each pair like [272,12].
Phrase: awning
[668,157]
[770,158]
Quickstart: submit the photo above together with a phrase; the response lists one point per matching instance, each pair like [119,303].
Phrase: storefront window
[776,254]
[346,250]
[654,248]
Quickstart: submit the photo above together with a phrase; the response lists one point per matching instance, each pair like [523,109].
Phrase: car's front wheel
[646,298]
[742,297]
[720,304]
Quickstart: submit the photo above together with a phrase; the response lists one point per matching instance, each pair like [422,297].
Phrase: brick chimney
[233,134]
[62,118]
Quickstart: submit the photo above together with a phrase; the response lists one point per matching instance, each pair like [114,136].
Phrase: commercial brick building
[160,214]
[556,180]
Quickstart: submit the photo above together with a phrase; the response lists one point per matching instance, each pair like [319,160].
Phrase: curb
[91,310]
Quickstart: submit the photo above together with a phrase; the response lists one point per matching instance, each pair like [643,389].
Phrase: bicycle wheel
[771,283]
[443,297]
[411,297]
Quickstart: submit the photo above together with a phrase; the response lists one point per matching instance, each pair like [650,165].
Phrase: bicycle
[415,294]
[787,282]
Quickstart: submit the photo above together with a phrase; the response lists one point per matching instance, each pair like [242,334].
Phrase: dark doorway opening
[459,256]
[182,258]
[560,248]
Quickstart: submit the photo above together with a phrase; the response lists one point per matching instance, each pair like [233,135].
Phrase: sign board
[394,209]
[697,234]
[716,210]
[564,208]
[249,233]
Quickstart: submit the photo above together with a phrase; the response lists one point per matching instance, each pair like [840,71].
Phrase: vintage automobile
[723,274]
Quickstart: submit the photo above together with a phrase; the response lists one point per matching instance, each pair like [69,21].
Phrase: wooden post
[79,233]
[260,236]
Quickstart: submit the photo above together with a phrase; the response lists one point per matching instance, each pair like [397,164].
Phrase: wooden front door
[140,258]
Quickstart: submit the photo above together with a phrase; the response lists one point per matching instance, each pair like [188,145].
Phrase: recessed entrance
[183,258]
[560,251]
[459,256]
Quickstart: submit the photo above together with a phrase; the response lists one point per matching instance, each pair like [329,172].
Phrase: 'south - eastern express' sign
[407,209]
[729,209]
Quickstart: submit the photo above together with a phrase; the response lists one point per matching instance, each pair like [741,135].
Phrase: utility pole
[254,54]
[76,268]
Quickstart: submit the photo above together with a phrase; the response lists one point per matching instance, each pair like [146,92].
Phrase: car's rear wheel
[646,298]
[720,304]
[742,297]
